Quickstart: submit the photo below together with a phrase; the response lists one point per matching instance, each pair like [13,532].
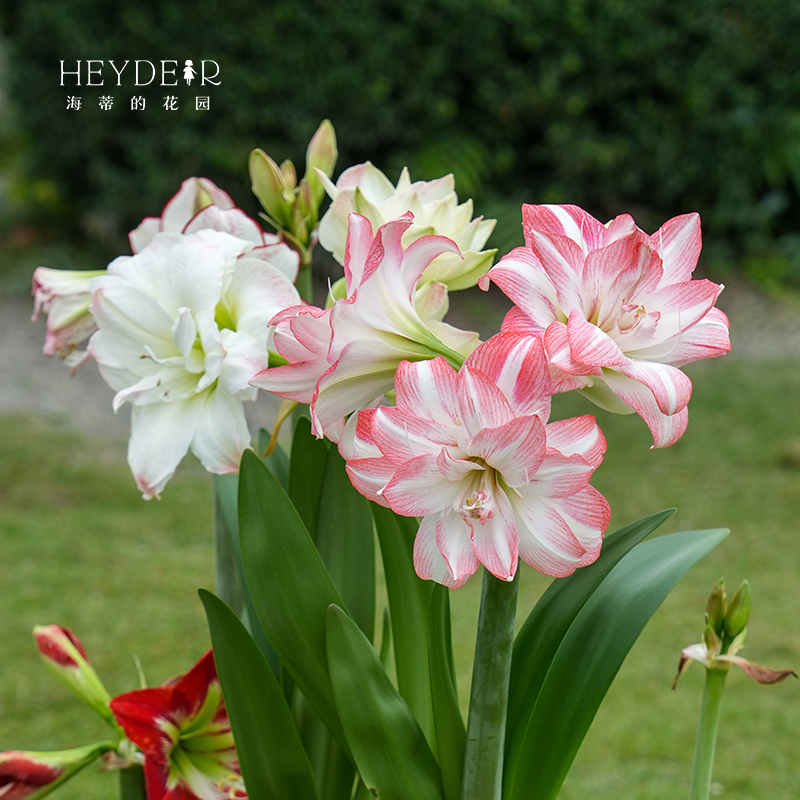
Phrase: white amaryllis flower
[199,204]
[365,190]
[64,296]
[183,326]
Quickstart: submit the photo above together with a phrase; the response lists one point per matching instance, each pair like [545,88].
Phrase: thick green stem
[131,783]
[700,786]
[488,705]
[227,583]
[304,283]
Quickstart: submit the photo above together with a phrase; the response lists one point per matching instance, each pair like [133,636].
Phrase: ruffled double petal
[472,454]
[616,308]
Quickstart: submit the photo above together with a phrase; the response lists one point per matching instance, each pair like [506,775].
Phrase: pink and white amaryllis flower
[29,776]
[183,730]
[365,190]
[199,205]
[344,358]
[617,309]
[472,453]
[64,296]
[183,326]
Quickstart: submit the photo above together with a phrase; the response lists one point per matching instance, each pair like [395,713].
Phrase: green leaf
[230,569]
[591,654]
[540,637]
[277,460]
[306,473]
[409,604]
[388,745]
[451,735]
[341,525]
[290,586]
[274,764]
[346,541]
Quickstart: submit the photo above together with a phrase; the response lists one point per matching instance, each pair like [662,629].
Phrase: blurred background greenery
[655,107]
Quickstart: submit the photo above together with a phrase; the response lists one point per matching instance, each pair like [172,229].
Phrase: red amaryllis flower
[183,730]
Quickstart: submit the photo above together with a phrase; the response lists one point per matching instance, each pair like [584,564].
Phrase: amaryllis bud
[268,186]
[64,655]
[715,607]
[739,610]
[28,776]
[320,155]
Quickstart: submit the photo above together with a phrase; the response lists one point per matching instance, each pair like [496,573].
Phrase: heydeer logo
[141,72]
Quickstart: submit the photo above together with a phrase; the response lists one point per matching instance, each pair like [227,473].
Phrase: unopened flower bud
[64,655]
[289,175]
[28,776]
[711,641]
[739,610]
[268,186]
[715,607]
[320,155]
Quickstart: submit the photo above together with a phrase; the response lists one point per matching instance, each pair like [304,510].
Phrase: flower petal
[428,389]
[666,430]
[430,562]
[160,437]
[581,435]
[517,364]
[494,539]
[546,542]
[418,488]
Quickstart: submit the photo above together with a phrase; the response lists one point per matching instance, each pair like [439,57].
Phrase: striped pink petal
[546,542]
[666,429]
[428,389]
[443,550]
[494,539]
[579,435]
[483,404]
[517,364]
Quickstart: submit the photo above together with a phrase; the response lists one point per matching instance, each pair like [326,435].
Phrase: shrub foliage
[660,106]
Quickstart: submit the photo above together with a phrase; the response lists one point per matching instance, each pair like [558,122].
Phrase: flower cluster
[204,314]
[178,732]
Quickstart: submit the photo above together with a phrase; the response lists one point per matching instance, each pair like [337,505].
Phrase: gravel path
[761,327]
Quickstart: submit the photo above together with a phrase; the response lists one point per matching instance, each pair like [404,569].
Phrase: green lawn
[79,547]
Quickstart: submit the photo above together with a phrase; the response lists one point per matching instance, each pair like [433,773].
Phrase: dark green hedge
[653,106]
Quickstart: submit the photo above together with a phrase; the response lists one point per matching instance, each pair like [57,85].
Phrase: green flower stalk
[723,637]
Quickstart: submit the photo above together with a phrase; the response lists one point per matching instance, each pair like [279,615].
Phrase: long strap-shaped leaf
[344,534]
[451,735]
[388,745]
[306,473]
[540,637]
[591,654]
[226,493]
[290,586]
[409,604]
[274,764]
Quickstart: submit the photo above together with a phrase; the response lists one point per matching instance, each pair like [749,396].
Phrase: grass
[79,547]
